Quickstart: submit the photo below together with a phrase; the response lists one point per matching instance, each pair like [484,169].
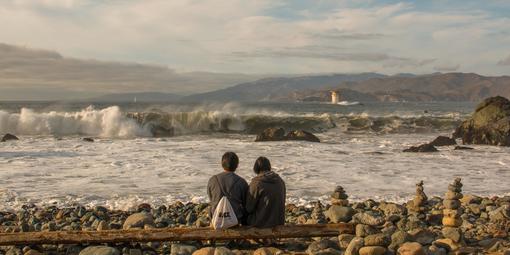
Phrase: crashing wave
[113,123]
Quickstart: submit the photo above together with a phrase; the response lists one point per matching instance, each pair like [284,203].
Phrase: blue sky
[270,36]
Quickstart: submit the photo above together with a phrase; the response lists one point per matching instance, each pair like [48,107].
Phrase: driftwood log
[174,234]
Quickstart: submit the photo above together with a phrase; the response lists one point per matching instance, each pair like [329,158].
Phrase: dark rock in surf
[460,148]
[88,139]
[489,124]
[443,141]
[160,131]
[9,137]
[300,135]
[271,134]
[422,148]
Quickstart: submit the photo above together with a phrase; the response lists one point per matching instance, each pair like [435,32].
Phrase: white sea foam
[120,173]
[108,122]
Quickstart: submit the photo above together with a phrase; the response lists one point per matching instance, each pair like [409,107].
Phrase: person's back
[230,185]
[265,202]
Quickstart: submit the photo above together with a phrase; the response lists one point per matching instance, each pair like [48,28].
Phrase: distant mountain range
[138,97]
[353,87]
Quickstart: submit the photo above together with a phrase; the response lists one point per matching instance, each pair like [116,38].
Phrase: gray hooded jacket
[233,187]
[265,203]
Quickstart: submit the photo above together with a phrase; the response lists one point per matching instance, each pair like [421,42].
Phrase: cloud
[287,36]
[47,72]
[505,62]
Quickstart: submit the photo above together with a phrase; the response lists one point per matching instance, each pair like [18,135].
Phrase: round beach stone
[138,220]
[451,204]
[363,230]
[99,250]
[266,251]
[411,248]
[337,213]
[372,250]
[368,218]
[377,240]
[447,244]
[354,246]
[398,238]
[344,240]
[452,233]
[182,249]
[453,195]
[455,188]
[451,222]
[205,251]
[453,213]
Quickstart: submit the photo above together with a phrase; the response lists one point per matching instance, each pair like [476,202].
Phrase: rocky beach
[454,224]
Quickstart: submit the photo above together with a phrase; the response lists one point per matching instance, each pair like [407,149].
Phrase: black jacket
[233,187]
[265,203]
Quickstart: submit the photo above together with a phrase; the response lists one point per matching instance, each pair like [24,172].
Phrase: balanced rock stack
[317,215]
[452,206]
[339,211]
[419,202]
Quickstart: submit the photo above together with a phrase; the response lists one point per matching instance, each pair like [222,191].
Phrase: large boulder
[9,137]
[271,134]
[301,135]
[489,124]
[422,148]
[443,141]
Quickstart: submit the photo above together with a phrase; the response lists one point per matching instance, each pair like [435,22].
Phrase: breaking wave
[113,123]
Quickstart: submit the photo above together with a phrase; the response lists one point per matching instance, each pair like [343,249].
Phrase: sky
[227,38]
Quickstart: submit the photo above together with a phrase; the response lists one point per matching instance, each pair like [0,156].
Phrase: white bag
[224,216]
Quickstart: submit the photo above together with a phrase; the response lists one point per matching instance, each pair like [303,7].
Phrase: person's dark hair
[262,164]
[229,161]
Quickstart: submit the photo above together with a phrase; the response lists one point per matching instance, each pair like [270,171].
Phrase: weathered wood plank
[174,234]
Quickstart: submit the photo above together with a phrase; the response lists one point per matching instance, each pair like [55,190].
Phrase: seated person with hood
[265,203]
[228,184]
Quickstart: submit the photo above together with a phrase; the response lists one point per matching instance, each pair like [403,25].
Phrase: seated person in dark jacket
[265,203]
[228,184]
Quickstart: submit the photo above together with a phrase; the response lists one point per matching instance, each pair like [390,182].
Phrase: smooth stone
[452,233]
[452,222]
[392,208]
[354,247]
[138,220]
[434,250]
[344,240]
[226,251]
[363,230]
[398,238]
[452,213]
[372,250]
[368,218]
[423,236]
[205,251]
[337,214]
[470,199]
[450,195]
[447,244]
[182,249]
[455,188]
[451,204]
[32,252]
[411,248]
[135,252]
[320,245]
[100,250]
[266,251]
[377,240]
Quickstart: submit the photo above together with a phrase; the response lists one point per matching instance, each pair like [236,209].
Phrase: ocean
[361,150]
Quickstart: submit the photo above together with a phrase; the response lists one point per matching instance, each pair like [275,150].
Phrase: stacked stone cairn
[339,211]
[452,221]
[317,216]
[418,204]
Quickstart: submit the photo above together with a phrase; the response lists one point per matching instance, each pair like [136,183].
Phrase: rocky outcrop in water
[422,148]
[278,134]
[9,137]
[489,124]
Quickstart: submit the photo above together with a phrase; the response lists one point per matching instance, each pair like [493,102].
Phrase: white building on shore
[335,97]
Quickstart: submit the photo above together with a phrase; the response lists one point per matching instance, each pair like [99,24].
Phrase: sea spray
[108,122]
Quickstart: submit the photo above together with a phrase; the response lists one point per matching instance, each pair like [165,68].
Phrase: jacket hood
[268,177]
